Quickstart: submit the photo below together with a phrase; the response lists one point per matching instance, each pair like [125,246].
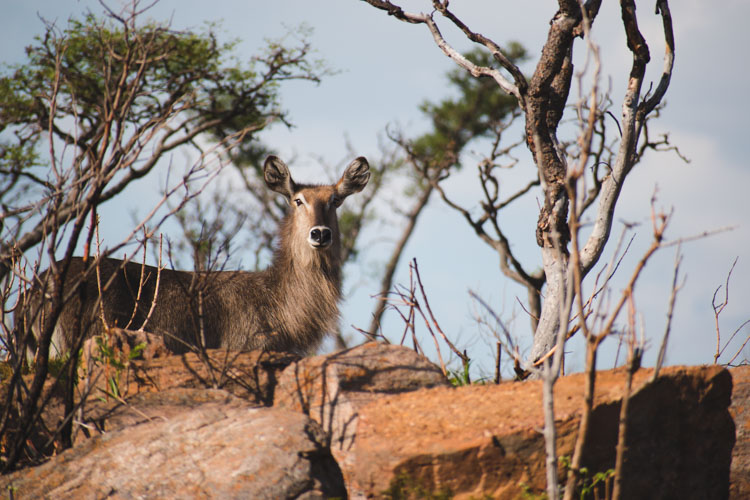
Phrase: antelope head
[313,220]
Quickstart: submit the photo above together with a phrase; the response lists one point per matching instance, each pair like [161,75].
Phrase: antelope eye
[297,202]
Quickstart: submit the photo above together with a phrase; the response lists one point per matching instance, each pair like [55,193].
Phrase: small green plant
[528,494]
[589,485]
[461,377]
[109,357]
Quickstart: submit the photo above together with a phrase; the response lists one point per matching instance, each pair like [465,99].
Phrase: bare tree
[542,99]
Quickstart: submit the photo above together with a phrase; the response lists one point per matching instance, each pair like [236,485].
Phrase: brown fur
[288,307]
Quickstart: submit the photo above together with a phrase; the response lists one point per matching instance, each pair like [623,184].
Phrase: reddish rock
[486,440]
[332,388]
[250,375]
[739,476]
[222,447]
[176,435]
[108,416]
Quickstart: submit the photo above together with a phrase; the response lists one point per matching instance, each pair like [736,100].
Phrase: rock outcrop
[486,440]
[218,446]
[331,389]
[379,421]
[248,375]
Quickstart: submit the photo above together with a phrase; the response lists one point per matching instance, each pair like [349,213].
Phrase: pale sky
[388,68]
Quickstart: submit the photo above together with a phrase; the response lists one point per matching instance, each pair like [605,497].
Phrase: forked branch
[515,89]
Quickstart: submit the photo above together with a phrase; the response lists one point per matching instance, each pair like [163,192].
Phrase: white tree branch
[633,117]
[448,50]
[472,68]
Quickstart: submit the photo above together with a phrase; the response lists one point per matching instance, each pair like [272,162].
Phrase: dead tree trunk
[542,98]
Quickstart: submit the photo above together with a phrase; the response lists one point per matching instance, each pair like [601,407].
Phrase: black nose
[320,236]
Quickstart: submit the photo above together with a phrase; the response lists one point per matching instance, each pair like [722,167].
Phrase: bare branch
[633,116]
[447,341]
[662,8]
[718,309]
[747,340]
[397,12]
[672,298]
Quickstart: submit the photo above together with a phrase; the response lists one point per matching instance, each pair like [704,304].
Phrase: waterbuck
[287,307]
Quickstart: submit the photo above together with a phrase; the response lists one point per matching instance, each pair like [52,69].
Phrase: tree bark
[555,263]
[544,104]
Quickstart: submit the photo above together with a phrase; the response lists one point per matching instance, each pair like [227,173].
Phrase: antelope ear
[277,177]
[354,179]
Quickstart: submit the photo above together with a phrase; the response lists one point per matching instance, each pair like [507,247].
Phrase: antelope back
[287,307]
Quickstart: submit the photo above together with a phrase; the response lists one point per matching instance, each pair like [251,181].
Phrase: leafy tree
[99,104]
